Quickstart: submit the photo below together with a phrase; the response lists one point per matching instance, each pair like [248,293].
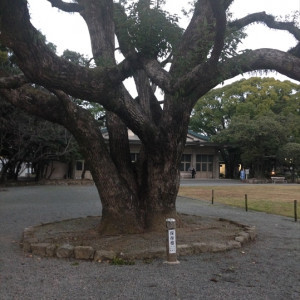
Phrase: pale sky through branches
[68,31]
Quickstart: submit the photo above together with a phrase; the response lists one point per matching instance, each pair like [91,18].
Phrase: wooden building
[199,154]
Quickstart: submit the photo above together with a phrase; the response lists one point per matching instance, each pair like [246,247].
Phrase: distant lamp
[273,172]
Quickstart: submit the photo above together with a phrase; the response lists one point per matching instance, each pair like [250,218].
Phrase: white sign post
[171,241]
[247,173]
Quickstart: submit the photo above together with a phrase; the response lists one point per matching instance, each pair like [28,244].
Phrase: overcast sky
[68,31]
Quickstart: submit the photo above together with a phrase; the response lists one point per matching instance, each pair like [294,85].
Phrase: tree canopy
[255,117]
[252,97]
[184,64]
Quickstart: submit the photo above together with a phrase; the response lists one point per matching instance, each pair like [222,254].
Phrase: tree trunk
[145,207]
[159,191]
[4,172]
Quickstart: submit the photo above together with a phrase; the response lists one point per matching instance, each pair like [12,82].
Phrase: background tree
[289,156]
[135,197]
[254,96]
[257,139]
[242,106]
[28,140]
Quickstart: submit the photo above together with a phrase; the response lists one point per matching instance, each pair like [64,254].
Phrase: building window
[204,163]
[79,165]
[186,160]
[210,160]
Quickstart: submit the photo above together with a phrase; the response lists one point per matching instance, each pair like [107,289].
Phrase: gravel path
[266,269]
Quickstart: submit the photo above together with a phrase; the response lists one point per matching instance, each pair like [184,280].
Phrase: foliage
[232,41]
[254,116]
[289,156]
[76,58]
[7,63]
[26,139]
[118,261]
[96,109]
[255,96]
[257,139]
[153,32]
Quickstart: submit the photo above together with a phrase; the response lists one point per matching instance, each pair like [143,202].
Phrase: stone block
[39,249]
[146,254]
[157,252]
[28,242]
[28,233]
[184,249]
[104,255]
[65,251]
[26,246]
[252,232]
[245,235]
[240,239]
[200,247]
[217,247]
[233,245]
[84,252]
[50,250]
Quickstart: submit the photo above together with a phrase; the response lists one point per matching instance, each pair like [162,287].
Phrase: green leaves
[75,58]
[255,116]
[152,31]
[252,97]
[289,154]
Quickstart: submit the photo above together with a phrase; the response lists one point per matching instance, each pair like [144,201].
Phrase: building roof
[196,136]
[193,138]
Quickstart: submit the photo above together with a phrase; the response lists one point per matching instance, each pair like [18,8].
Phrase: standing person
[193,173]
[242,174]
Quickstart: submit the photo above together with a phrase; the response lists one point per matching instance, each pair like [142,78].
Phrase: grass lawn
[270,198]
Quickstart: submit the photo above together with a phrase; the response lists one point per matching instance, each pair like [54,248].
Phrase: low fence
[294,204]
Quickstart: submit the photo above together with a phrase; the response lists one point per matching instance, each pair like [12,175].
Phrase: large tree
[184,65]
[252,97]
[234,115]
[257,140]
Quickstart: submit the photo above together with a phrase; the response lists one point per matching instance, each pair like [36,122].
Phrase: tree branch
[197,40]
[227,3]
[43,67]
[67,7]
[157,74]
[146,99]
[13,82]
[78,121]
[269,20]
[262,59]
[204,77]
[295,51]
[220,15]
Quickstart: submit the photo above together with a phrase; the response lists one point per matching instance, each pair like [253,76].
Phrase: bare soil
[83,232]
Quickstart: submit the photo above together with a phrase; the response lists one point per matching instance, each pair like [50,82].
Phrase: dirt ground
[83,232]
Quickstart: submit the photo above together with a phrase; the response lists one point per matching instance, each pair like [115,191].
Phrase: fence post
[171,241]
[295,210]
[212,196]
[246,202]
